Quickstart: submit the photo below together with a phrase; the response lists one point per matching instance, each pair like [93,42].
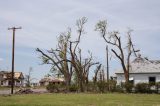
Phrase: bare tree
[58,59]
[67,58]
[81,66]
[96,73]
[114,39]
[28,78]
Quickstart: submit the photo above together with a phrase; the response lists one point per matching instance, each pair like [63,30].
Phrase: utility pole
[13,46]
[107,67]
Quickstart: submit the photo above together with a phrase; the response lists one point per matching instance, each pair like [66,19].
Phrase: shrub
[112,85]
[142,88]
[73,88]
[51,87]
[119,89]
[55,87]
[152,84]
[157,85]
[128,86]
[101,86]
[91,87]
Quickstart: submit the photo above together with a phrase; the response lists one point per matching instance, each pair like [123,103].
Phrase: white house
[141,70]
[5,78]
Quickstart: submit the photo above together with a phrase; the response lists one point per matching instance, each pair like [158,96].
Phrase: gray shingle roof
[143,65]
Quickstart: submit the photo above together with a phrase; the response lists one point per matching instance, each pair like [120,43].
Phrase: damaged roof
[7,75]
[51,79]
[143,65]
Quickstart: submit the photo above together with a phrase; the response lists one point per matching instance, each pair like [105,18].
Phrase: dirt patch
[25,91]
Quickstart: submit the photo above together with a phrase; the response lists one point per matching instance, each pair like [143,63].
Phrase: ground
[6,90]
[112,99]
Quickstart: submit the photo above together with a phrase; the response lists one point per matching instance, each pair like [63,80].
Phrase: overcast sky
[43,20]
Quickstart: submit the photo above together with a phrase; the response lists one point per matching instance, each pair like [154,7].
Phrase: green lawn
[81,100]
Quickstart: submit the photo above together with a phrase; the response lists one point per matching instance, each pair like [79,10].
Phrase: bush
[55,87]
[51,87]
[101,86]
[142,88]
[119,89]
[73,88]
[91,87]
[112,85]
[128,86]
[157,86]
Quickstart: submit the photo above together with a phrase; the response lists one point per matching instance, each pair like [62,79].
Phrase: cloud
[1,59]
[43,20]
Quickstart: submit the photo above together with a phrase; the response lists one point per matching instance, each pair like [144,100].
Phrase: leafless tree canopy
[67,57]
[114,39]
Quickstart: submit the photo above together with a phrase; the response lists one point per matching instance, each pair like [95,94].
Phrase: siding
[138,78]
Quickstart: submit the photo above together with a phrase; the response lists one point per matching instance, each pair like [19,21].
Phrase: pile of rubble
[24,91]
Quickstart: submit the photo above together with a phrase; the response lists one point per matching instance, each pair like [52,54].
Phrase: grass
[4,88]
[81,100]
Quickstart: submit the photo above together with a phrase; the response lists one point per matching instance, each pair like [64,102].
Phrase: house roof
[7,75]
[18,75]
[51,79]
[143,65]
[46,79]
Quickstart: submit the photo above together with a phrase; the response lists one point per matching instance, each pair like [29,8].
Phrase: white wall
[138,78]
[5,83]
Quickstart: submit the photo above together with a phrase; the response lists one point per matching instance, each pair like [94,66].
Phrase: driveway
[5,92]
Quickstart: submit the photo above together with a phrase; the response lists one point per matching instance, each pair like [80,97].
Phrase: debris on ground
[24,91]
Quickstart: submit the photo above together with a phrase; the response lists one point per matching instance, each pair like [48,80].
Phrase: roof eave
[142,73]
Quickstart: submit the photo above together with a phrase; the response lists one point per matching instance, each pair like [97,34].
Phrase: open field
[81,100]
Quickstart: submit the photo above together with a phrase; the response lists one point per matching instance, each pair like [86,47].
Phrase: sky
[43,20]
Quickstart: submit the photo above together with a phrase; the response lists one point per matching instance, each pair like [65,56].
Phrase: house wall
[18,83]
[44,83]
[138,78]
[6,83]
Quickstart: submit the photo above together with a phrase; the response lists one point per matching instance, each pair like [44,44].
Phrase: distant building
[5,78]
[48,80]
[35,82]
[141,70]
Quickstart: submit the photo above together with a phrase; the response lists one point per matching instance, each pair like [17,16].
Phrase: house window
[9,82]
[152,80]
[131,80]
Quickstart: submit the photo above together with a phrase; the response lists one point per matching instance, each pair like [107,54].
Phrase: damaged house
[50,80]
[5,78]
